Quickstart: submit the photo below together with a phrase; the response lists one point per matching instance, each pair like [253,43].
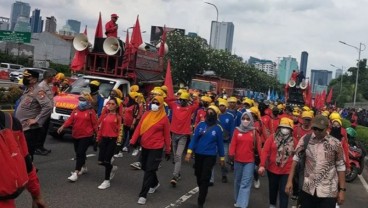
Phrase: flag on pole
[127,52]
[98,33]
[168,81]
[268,94]
[161,51]
[329,96]
[79,58]
[136,40]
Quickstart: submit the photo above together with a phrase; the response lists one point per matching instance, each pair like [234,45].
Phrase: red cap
[115,15]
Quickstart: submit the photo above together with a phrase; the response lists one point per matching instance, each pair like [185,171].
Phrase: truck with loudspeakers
[113,65]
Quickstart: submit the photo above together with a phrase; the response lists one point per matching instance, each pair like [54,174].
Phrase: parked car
[9,67]
[16,76]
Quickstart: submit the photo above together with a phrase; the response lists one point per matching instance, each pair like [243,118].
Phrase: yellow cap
[255,111]
[338,121]
[306,108]
[157,91]
[164,88]
[286,122]
[134,88]
[184,95]
[215,108]
[59,76]
[133,94]
[280,106]
[232,99]
[95,82]
[307,114]
[325,113]
[118,93]
[223,102]
[248,101]
[296,113]
[335,115]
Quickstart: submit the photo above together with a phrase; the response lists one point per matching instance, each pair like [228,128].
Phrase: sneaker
[73,177]
[104,185]
[257,184]
[224,179]
[120,154]
[112,160]
[125,149]
[142,200]
[135,152]
[272,206]
[174,181]
[83,170]
[136,165]
[152,190]
[113,171]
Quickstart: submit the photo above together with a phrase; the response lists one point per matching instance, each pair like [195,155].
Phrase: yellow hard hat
[133,94]
[157,91]
[223,102]
[248,101]
[134,88]
[280,106]
[325,113]
[306,108]
[296,113]
[338,121]
[184,95]
[232,99]
[308,114]
[255,111]
[164,88]
[59,76]
[286,122]
[215,108]
[95,82]
[335,115]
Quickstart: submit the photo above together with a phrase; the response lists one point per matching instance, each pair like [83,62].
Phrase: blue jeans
[243,178]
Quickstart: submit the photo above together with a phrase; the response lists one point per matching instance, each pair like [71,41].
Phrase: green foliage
[190,56]
[61,68]
[362,132]
[21,60]
[11,95]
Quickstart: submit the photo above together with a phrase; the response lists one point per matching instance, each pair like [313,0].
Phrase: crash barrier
[7,108]
[4,75]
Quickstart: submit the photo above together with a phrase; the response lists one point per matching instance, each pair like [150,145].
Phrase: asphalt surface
[125,187]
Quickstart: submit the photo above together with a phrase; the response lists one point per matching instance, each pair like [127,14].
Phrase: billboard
[157,31]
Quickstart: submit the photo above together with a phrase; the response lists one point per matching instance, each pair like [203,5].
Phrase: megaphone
[144,47]
[166,47]
[303,85]
[111,46]
[80,42]
[292,83]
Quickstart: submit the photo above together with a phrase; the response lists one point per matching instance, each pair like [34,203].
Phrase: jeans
[178,141]
[202,169]
[276,186]
[80,148]
[127,133]
[243,178]
[307,200]
[150,160]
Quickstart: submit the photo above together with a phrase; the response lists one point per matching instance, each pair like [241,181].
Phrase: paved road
[59,193]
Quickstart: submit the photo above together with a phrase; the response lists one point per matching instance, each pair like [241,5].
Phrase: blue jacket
[237,116]
[227,123]
[210,143]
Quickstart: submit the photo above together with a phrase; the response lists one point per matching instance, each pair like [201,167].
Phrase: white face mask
[245,123]
[285,131]
[154,107]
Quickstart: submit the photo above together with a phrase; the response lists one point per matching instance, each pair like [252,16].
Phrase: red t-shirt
[299,132]
[110,126]
[242,146]
[201,114]
[181,117]
[84,123]
[111,31]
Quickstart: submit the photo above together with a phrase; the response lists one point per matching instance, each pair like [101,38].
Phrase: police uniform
[34,104]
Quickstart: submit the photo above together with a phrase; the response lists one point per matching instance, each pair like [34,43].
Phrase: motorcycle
[356,156]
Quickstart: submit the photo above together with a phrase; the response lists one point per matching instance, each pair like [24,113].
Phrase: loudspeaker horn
[165,46]
[80,42]
[111,46]
[292,83]
[303,85]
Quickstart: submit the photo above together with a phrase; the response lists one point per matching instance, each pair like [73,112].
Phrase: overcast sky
[265,29]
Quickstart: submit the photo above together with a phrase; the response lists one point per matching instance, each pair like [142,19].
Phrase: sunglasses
[317,129]
[156,103]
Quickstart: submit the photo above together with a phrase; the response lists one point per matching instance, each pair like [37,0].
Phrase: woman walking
[109,135]
[207,142]
[84,126]
[278,154]
[244,147]
[154,133]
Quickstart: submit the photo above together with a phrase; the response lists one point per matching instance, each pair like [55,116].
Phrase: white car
[17,75]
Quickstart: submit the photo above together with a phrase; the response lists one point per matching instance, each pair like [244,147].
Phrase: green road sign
[18,37]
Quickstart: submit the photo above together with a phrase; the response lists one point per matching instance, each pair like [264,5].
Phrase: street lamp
[341,76]
[217,13]
[357,75]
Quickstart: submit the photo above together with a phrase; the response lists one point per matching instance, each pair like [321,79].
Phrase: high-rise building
[222,34]
[267,66]
[66,30]
[338,73]
[285,68]
[320,79]
[4,23]
[22,25]
[19,9]
[304,62]
[50,24]
[74,25]
[36,21]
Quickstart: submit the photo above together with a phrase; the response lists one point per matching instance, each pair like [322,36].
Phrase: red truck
[212,84]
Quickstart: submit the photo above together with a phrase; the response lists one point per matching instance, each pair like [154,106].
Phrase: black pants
[307,200]
[128,133]
[107,149]
[203,168]
[32,136]
[150,160]
[43,134]
[80,148]
[276,185]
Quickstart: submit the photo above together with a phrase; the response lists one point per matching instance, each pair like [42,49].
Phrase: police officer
[34,109]
[48,77]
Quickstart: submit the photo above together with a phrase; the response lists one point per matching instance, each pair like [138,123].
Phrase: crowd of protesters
[249,137]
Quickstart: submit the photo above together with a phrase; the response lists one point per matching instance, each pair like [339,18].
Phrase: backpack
[13,174]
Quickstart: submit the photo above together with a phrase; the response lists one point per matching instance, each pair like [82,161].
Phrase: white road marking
[365,184]
[183,198]
[89,155]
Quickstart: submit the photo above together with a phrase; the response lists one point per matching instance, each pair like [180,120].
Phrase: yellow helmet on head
[134,88]
[215,108]
[232,99]
[286,122]
[184,96]
[95,82]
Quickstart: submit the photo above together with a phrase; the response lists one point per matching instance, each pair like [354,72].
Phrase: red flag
[329,96]
[309,97]
[79,58]
[161,51]
[99,33]
[126,57]
[168,81]
[136,40]
[323,98]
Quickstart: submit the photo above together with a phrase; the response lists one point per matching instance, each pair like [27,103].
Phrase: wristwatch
[342,189]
